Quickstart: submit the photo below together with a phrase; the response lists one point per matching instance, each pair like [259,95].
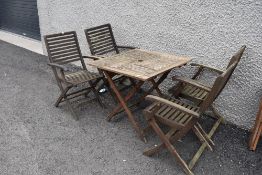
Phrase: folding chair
[185,90]
[194,90]
[63,48]
[101,41]
[181,117]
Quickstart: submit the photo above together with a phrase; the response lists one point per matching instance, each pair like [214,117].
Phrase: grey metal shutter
[20,17]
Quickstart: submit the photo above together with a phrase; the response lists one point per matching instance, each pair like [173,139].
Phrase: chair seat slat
[80,77]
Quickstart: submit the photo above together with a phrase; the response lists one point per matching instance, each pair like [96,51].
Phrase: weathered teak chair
[101,41]
[185,90]
[63,48]
[196,91]
[181,117]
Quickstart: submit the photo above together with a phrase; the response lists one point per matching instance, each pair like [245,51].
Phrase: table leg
[155,85]
[135,89]
[127,97]
[124,105]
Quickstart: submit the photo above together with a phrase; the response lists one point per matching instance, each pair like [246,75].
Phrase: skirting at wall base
[21,41]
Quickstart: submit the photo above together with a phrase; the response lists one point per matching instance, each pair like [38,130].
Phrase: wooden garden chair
[101,41]
[185,90]
[63,48]
[181,117]
[191,89]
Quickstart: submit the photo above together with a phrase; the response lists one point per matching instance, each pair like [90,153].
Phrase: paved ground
[38,139]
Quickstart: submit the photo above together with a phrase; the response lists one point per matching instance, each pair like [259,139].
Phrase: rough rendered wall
[209,32]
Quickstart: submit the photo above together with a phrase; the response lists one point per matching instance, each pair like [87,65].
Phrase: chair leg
[156,148]
[204,145]
[96,93]
[69,105]
[217,114]
[204,134]
[60,98]
[202,138]
[170,147]
[109,89]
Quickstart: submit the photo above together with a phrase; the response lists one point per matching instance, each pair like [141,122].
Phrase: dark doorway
[20,17]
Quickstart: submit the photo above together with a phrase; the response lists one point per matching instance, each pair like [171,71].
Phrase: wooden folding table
[139,66]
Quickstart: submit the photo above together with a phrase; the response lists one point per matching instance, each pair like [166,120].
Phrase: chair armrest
[171,104]
[93,57]
[127,47]
[192,82]
[207,67]
[61,67]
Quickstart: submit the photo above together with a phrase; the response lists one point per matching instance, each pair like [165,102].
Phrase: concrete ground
[38,139]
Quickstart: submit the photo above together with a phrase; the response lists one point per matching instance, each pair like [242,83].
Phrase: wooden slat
[59,52]
[204,94]
[64,47]
[99,35]
[192,90]
[197,90]
[58,43]
[101,39]
[105,51]
[199,94]
[76,56]
[90,32]
[102,49]
[72,53]
[162,108]
[51,39]
[106,32]
[166,111]
[68,61]
[103,45]
[170,113]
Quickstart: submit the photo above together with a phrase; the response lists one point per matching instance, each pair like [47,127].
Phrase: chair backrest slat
[217,88]
[101,40]
[63,48]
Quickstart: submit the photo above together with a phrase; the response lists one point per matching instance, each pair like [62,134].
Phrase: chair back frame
[63,48]
[237,56]
[101,40]
[217,88]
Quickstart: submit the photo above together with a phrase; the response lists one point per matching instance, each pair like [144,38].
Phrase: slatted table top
[140,64]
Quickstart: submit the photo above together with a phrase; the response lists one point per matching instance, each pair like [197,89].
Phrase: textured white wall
[209,32]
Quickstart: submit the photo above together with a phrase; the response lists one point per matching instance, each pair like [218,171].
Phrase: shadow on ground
[38,139]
